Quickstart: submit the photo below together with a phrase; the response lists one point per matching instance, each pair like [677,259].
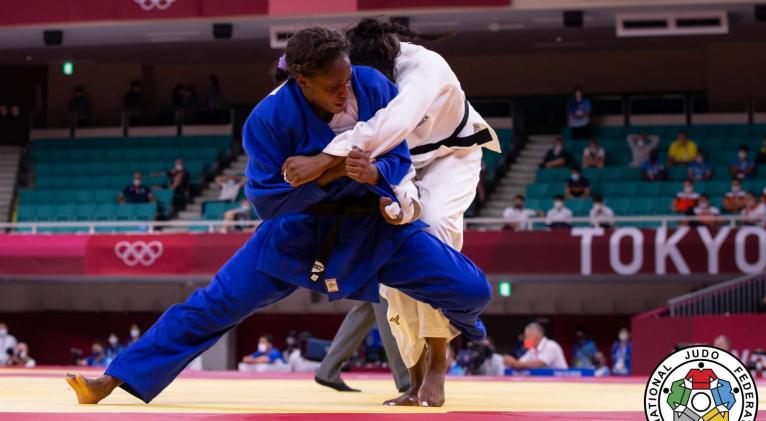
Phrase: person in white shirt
[593,156]
[541,351]
[230,186]
[446,136]
[559,216]
[517,217]
[7,342]
[754,213]
[706,213]
[641,146]
[601,215]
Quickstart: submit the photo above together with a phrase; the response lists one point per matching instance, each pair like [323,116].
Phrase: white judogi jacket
[428,109]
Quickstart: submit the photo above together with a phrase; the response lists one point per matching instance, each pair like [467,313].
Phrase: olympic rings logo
[138,252]
[149,5]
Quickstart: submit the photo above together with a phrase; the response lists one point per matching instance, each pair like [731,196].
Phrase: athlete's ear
[303,82]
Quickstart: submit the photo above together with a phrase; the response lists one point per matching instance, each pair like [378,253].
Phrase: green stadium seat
[537,190]
[678,172]
[649,188]
[670,188]
[550,175]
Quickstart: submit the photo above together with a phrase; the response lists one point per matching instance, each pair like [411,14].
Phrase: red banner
[581,251]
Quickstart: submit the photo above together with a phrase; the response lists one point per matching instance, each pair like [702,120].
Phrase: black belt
[352,207]
[479,138]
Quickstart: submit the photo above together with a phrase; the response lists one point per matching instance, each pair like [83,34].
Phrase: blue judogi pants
[423,268]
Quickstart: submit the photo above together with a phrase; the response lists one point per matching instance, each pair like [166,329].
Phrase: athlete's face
[328,91]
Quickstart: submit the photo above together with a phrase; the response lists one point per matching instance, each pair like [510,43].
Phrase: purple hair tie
[282,63]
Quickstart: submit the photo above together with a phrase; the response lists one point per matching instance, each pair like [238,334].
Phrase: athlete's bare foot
[91,391]
[431,392]
[410,397]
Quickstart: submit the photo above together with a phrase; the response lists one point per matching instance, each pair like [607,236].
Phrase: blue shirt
[742,165]
[584,107]
[274,355]
[654,169]
[621,353]
[583,352]
[698,170]
[136,194]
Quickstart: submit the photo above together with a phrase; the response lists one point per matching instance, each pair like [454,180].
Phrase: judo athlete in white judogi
[446,136]
[329,236]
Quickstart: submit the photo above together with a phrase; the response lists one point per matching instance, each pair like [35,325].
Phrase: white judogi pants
[447,185]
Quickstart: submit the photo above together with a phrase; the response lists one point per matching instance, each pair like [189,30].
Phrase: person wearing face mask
[559,216]
[742,167]
[266,353]
[135,333]
[579,109]
[594,155]
[699,169]
[230,186]
[97,358]
[734,200]
[601,215]
[243,212]
[622,353]
[652,169]
[113,347]
[754,213]
[578,186]
[706,213]
[136,192]
[178,181]
[21,358]
[557,156]
[641,145]
[518,217]
[686,199]
[541,352]
[7,342]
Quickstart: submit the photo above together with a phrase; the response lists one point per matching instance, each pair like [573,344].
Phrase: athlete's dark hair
[310,50]
[375,43]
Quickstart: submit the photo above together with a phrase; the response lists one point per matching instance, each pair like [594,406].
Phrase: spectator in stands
[652,169]
[230,186]
[557,156]
[213,99]
[243,212]
[742,167]
[754,213]
[641,145]
[622,353]
[578,186]
[453,368]
[136,192]
[178,97]
[266,353]
[135,333]
[178,180]
[601,215]
[699,169]
[686,199]
[8,344]
[584,350]
[734,200]
[761,157]
[593,156]
[20,357]
[579,109]
[79,107]
[682,151]
[559,216]
[541,351]
[113,347]
[706,213]
[722,342]
[601,369]
[133,103]
[517,216]
[97,357]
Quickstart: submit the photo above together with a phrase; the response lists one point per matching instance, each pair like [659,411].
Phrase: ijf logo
[701,383]
[138,252]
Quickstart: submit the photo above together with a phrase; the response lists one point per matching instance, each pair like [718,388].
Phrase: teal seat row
[115,182]
[644,189]
[87,212]
[219,142]
[195,168]
[122,154]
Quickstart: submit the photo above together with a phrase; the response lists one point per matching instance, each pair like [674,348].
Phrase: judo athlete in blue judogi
[328,236]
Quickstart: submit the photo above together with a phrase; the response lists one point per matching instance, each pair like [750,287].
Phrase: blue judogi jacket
[284,125]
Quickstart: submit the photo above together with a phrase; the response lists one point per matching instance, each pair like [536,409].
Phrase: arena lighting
[504,289]
[67,68]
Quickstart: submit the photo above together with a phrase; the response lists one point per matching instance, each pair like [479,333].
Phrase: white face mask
[558,204]
[624,336]
[113,340]
[262,347]
[742,155]
[575,177]
[3,332]
[688,189]
[136,182]
[597,206]
[23,354]
[135,333]
[736,188]
[557,148]
[704,205]
[179,167]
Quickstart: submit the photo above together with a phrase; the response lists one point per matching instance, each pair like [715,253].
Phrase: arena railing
[482,224]
[738,296]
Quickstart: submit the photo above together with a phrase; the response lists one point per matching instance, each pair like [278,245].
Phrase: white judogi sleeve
[409,198]
[418,90]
